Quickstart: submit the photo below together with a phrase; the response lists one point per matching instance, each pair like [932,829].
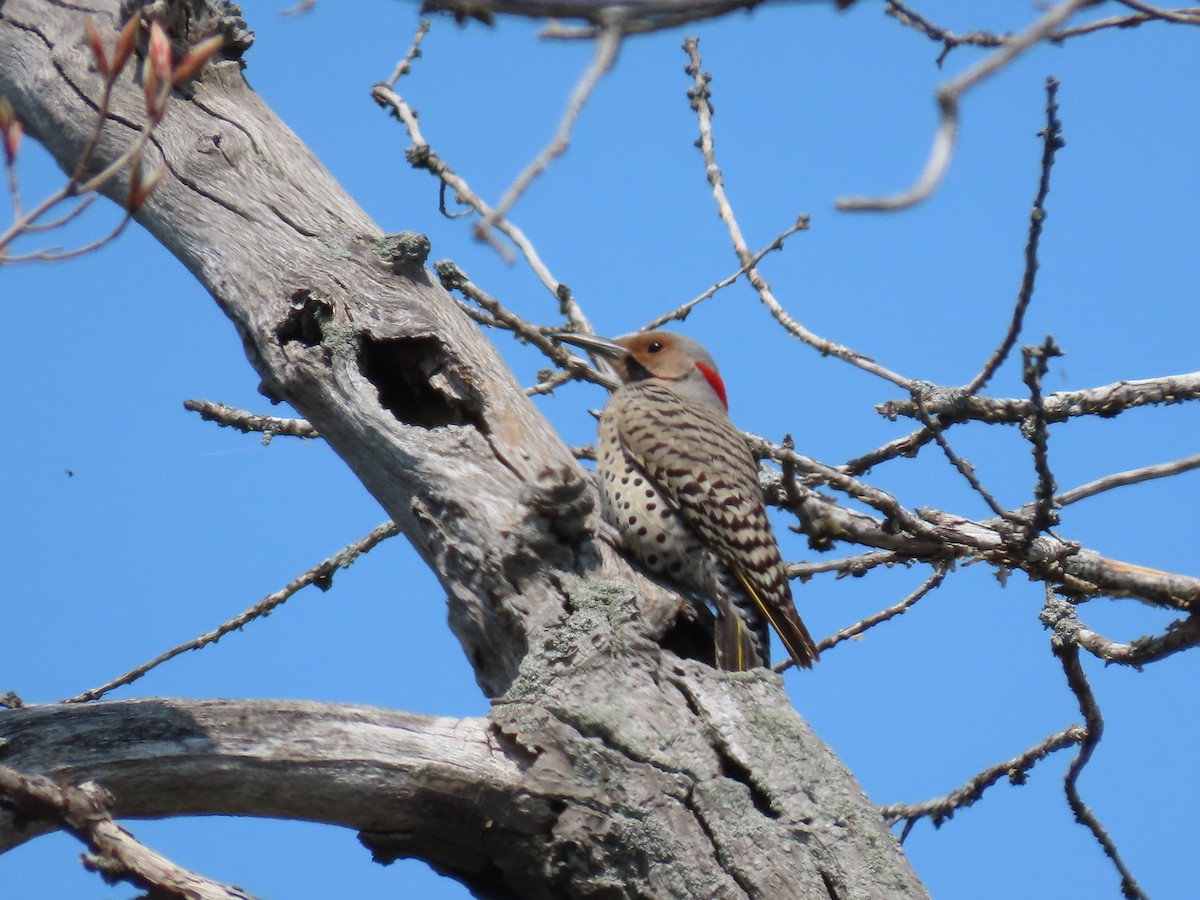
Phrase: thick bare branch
[940,536]
[361,767]
[1106,401]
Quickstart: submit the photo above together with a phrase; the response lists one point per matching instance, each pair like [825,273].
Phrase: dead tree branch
[1068,655]
[400,383]
[1016,770]
[84,810]
[247,422]
[950,95]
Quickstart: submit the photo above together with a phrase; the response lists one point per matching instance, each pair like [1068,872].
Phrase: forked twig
[1182,634]
[1016,770]
[699,95]
[422,156]
[935,421]
[85,811]
[682,311]
[949,96]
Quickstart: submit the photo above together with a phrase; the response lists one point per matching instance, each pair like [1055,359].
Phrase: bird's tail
[786,622]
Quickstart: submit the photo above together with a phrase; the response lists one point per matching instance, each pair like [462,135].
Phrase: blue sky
[170,526]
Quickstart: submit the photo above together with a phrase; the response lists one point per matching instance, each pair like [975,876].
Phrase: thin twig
[949,40]
[320,575]
[1133,476]
[607,45]
[246,422]
[422,156]
[453,278]
[948,97]
[912,19]
[414,52]
[884,502]
[1052,142]
[1016,770]
[853,566]
[1068,655]
[934,420]
[681,312]
[54,254]
[860,627]
[65,218]
[638,17]
[549,381]
[1178,16]
[1120,22]
[79,184]
[905,447]
[304,6]
[1036,364]
[966,469]
[14,188]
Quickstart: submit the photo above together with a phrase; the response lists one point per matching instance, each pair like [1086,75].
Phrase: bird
[681,488]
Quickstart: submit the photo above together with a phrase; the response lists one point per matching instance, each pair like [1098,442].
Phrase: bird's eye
[653,347]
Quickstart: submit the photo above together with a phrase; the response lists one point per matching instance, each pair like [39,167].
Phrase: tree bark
[607,767]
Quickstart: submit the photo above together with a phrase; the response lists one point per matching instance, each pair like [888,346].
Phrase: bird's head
[660,356]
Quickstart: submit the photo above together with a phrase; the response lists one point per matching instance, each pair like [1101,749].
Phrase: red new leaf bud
[10,130]
[97,45]
[125,43]
[189,67]
[160,53]
[141,189]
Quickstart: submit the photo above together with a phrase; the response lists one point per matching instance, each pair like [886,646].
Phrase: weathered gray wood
[361,767]
[607,766]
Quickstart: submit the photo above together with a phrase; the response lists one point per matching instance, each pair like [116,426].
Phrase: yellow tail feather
[797,641]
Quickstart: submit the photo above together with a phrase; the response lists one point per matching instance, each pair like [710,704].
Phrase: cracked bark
[607,767]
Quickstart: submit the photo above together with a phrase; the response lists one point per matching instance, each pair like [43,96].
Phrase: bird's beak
[603,347]
[604,352]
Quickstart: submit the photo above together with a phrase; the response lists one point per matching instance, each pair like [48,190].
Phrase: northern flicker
[680,486]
